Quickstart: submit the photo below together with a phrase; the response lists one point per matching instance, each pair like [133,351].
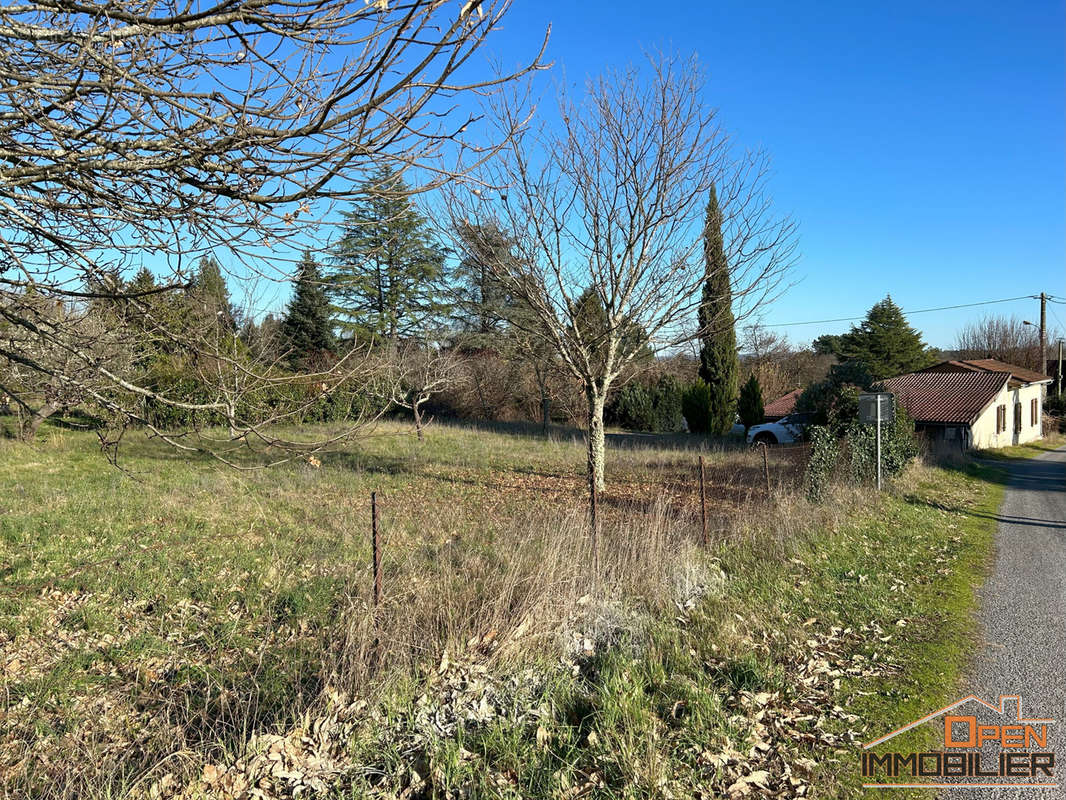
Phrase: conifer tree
[885,343]
[750,407]
[718,342]
[388,269]
[590,320]
[209,297]
[481,300]
[307,330]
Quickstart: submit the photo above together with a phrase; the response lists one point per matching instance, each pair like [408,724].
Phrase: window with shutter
[1034,415]
[1017,417]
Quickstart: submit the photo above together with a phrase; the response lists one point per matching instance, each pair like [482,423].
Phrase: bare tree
[61,352]
[160,131]
[422,369]
[605,208]
[1004,338]
[760,344]
[776,364]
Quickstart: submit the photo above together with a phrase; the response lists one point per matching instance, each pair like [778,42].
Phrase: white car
[786,430]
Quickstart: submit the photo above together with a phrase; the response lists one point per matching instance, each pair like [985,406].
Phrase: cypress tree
[307,331]
[751,408]
[718,346]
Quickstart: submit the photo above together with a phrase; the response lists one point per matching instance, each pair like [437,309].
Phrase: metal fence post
[878,442]
[703,504]
[375,541]
[766,466]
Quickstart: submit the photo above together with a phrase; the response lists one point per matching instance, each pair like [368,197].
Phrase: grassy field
[180,628]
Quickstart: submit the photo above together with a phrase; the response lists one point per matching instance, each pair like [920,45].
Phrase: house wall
[983,431]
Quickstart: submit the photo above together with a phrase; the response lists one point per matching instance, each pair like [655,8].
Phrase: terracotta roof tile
[946,397]
[782,405]
[1022,374]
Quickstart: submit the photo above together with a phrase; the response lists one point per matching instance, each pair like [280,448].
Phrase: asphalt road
[1023,610]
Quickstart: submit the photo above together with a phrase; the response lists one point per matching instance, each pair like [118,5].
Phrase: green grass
[1027,450]
[175,614]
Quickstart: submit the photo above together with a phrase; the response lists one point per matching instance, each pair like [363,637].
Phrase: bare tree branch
[606,207]
[160,131]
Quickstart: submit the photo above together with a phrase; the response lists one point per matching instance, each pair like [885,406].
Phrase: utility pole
[1058,383]
[1043,334]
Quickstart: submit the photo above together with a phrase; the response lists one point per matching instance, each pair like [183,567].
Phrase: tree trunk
[30,426]
[545,400]
[595,472]
[231,420]
[595,438]
[418,421]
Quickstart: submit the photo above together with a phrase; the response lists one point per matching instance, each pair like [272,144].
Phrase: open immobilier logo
[985,746]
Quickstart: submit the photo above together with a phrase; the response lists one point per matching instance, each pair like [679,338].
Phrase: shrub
[821,462]
[750,407]
[630,408]
[668,404]
[835,401]
[899,446]
[640,407]
[297,403]
[1055,405]
[696,406]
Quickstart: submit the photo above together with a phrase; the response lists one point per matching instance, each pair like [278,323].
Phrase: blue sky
[920,146]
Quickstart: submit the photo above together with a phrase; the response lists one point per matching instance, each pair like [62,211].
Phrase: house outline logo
[971,746]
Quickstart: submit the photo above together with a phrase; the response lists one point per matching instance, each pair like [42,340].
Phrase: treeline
[441,335]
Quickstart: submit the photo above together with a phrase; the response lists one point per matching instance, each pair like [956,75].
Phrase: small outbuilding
[974,404]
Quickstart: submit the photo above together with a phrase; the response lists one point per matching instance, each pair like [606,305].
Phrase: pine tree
[144,313]
[143,281]
[718,345]
[307,330]
[885,343]
[481,300]
[750,406]
[388,270]
[209,299]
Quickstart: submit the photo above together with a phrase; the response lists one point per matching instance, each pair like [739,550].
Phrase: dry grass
[181,607]
[168,632]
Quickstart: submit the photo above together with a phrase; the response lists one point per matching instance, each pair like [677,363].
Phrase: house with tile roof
[781,407]
[976,404]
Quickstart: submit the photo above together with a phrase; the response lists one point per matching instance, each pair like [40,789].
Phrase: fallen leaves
[744,786]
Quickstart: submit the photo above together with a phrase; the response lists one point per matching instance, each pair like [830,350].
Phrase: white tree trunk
[595,437]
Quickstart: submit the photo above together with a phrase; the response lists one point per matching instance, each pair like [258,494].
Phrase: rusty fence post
[375,541]
[766,467]
[703,503]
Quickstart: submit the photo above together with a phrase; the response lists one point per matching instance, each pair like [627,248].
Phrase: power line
[905,313]
[1056,318]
